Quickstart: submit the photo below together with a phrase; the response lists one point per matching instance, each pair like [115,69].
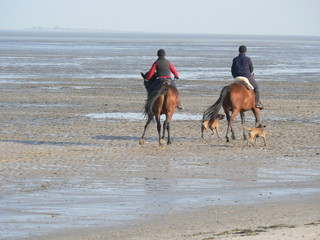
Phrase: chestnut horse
[164,100]
[235,98]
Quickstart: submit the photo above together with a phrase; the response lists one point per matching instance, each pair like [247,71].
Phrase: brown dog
[215,125]
[254,133]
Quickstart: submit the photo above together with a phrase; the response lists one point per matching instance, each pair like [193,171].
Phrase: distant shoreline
[113,31]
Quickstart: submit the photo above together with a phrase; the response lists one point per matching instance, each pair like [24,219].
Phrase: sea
[38,54]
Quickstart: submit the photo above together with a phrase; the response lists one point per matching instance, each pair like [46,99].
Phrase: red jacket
[163,68]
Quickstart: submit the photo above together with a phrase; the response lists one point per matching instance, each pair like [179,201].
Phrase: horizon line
[98,30]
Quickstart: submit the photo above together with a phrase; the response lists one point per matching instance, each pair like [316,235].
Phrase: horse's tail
[148,110]
[211,112]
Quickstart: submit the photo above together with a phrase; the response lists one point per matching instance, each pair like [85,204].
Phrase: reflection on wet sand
[92,202]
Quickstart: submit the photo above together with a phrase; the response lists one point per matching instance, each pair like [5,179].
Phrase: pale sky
[284,17]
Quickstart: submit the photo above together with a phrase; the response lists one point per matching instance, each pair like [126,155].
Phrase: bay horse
[235,98]
[164,100]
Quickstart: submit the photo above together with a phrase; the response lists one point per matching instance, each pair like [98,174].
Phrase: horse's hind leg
[166,127]
[232,132]
[165,124]
[256,114]
[141,141]
[227,133]
[233,116]
[159,130]
[243,121]
[227,112]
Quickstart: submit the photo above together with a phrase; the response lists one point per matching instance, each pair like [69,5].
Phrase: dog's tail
[246,128]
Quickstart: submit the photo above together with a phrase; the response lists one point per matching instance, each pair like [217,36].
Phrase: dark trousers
[159,81]
[254,84]
[256,89]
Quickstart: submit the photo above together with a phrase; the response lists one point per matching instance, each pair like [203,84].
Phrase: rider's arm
[251,66]
[174,71]
[233,69]
[151,71]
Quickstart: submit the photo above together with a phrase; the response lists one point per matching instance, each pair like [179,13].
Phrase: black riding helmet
[161,53]
[242,49]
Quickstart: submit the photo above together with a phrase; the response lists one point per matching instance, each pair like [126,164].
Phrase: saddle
[244,81]
[166,81]
[163,82]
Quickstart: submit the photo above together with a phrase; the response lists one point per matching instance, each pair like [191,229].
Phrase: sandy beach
[53,143]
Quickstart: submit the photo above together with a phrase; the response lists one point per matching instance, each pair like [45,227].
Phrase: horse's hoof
[169,143]
[161,142]
[141,141]
[233,137]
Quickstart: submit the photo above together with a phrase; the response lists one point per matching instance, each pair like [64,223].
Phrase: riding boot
[258,103]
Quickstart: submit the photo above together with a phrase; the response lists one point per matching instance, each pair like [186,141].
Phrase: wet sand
[56,161]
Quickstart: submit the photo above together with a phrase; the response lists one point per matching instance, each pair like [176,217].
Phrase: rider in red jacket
[163,68]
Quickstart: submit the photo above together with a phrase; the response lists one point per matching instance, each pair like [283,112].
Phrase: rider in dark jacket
[163,68]
[242,66]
